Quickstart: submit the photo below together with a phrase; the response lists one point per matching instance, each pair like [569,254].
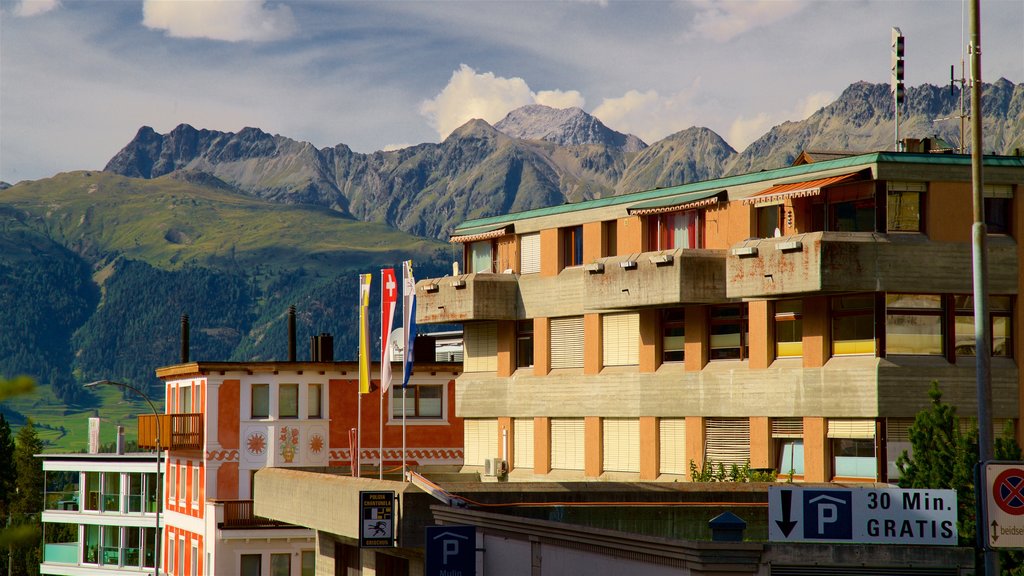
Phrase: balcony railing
[466,297]
[177,431]
[665,278]
[239,514]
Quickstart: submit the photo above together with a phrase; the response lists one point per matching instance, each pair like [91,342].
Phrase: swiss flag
[388,300]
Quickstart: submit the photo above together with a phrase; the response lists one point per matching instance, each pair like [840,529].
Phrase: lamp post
[159,491]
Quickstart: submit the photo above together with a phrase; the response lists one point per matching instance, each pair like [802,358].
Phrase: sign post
[1004,487]
[377,519]
[450,551]
[868,515]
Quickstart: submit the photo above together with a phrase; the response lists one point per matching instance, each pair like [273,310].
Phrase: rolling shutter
[621,439]
[727,441]
[481,441]
[672,445]
[529,248]
[523,432]
[787,428]
[567,443]
[566,342]
[481,342]
[621,342]
[851,429]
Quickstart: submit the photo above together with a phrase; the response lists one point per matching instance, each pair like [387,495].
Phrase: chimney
[291,333]
[94,435]
[120,440]
[321,348]
[184,338]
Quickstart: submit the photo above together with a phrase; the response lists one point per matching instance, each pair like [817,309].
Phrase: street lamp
[159,491]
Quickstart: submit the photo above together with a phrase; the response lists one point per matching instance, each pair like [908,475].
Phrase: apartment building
[100,514]
[791,318]
[226,420]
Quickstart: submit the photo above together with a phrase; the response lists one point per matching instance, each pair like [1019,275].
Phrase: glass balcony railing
[63,553]
[61,501]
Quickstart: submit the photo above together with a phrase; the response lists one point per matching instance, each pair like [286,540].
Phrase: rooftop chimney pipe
[291,333]
[184,338]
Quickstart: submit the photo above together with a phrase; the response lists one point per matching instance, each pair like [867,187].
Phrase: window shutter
[621,342]
[529,248]
[898,429]
[672,446]
[523,433]
[481,441]
[566,342]
[621,439]
[906,186]
[787,428]
[997,191]
[848,428]
[727,441]
[481,342]
[567,443]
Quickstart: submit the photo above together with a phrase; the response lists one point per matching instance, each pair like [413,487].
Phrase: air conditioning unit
[494,467]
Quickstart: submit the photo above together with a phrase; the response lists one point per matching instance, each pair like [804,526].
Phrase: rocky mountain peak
[565,127]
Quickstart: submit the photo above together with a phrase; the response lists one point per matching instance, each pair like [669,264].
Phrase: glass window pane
[673,335]
[922,301]
[315,392]
[430,401]
[480,255]
[150,556]
[396,402]
[904,211]
[252,565]
[854,458]
[280,564]
[90,550]
[791,458]
[261,400]
[308,563]
[997,215]
[288,401]
[111,491]
[111,550]
[92,491]
[913,334]
[964,329]
[1002,336]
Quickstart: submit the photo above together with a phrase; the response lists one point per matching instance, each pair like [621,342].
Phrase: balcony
[177,431]
[466,297]
[238,514]
[669,277]
[830,262]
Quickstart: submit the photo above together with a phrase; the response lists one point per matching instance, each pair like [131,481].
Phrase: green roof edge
[750,177]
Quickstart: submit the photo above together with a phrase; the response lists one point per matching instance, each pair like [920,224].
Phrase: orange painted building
[226,420]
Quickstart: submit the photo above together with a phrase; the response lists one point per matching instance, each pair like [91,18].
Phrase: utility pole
[982,332]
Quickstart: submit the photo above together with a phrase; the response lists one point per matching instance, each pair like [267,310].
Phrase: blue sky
[77,78]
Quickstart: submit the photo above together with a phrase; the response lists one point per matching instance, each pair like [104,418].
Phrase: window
[769,221]
[567,342]
[260,401]
[91,546]
[572,246]
[621,444]
[111,550]
[308,563]
[152,500]
[728,330]
[480,440]
[567,441]
[905,206]
[529,253]
[1000,310]
[998,208]
[181,557]
[149,559]
[288,401]
[252,565]
[851,209]
[480,346]
[524,343]
[280,564]
[421,401]
[853,324]
[611,238]
[853,448]
[787,435]
[523,444]
[169,559]
[134,480]
[111,492]
[913,324]
[92,491]
[727,441]
[314,392]
[195,561]
[672,446]
[481,256]
[184,399]
[195,486]
[620,339]
[789,329]
[182,482]
[673,335]
[673,230]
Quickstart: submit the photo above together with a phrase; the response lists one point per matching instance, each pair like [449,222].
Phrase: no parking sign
[1004,484]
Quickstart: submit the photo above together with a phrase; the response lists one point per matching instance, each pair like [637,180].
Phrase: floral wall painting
[288,437]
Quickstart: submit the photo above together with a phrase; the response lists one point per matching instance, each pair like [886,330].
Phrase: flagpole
[380,411]
[356,460]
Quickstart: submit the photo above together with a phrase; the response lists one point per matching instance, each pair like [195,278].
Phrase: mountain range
[232,228]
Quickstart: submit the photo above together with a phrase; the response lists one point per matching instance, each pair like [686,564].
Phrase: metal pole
[982,332]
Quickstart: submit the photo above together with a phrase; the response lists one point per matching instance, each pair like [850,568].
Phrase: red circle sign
[1008,491]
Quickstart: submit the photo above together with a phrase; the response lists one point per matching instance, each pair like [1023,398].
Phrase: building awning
[481,233]
[781,192]
[675,203]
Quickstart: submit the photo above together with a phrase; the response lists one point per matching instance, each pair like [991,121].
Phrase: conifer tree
[28,500]
[6,466]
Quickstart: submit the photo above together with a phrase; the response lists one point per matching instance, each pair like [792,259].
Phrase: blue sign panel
[828,515]
[450,551]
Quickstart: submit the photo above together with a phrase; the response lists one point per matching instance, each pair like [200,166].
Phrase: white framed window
[195,487]
[260,406]
[314,407]
[288,401]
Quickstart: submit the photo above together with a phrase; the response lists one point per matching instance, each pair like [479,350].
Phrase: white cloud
[648,115]
[744,130]
[723,21]
[35,7]
[470,95]
[231,21]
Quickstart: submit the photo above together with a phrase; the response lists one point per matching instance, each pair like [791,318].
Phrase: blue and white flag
[409,323]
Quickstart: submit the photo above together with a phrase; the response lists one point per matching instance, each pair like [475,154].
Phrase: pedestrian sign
[868,515]
[1004,487]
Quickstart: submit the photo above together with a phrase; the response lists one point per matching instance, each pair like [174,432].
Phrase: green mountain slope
[96,270]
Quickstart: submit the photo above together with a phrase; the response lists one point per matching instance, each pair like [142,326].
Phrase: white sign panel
[868,515]
[1004,484]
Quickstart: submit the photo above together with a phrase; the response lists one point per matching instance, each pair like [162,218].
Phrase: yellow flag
[364,333]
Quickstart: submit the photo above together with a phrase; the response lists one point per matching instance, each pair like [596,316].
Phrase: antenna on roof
[898,90]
